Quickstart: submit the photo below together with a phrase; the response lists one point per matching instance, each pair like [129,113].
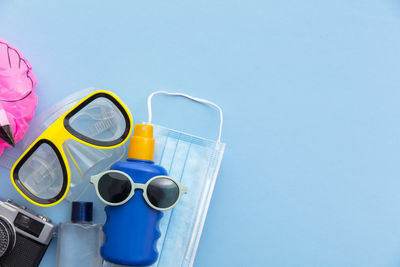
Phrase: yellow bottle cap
[141,145]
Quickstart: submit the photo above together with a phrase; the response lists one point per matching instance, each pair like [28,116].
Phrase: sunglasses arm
[95,178]
[184,189]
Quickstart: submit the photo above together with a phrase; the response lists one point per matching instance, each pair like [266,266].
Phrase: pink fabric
[17,85]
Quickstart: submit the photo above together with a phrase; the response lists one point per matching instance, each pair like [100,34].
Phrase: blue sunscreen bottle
[132,229]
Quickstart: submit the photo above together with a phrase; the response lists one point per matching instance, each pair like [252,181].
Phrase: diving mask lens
[43,165]
[114,187]
[100,120]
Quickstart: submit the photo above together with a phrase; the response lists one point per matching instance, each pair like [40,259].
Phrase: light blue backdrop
[310,91]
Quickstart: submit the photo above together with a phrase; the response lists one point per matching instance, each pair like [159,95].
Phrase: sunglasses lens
[114,187]
[40,174]
[163,192]
[100,120]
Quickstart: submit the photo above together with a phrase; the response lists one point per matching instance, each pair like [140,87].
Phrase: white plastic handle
[191,98]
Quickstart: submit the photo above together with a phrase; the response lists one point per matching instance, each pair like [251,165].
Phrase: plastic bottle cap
[141,145]
[82,212]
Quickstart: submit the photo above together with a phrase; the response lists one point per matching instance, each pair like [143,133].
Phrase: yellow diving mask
[42,174]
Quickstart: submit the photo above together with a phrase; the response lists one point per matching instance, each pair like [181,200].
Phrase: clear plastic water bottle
[79,240]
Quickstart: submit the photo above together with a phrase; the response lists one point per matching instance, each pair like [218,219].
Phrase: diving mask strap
[200,100]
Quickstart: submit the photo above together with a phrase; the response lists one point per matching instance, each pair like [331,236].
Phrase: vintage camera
[24,237]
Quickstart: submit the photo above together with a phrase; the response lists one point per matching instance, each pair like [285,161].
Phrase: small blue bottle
[132,229]
[79,240]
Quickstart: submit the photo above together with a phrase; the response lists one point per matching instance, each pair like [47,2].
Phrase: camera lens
[7,237]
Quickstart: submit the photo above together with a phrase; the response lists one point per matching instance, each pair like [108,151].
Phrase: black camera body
[24,237]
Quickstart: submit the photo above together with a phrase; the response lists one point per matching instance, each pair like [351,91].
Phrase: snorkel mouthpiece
[141,145]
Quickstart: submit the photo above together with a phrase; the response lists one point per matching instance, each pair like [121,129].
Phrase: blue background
[310,91]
